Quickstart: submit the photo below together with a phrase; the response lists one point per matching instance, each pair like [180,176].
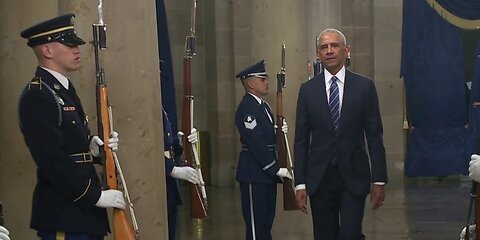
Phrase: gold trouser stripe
[60,236]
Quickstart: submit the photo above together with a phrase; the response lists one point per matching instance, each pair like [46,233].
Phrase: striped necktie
[334,102]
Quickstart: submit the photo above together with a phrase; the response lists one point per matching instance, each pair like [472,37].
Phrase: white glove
[96,143]
[185,173]
[285,126]
[4,233]
[283,173]
[471,230]
[474,167]
[193,137]
[111,198]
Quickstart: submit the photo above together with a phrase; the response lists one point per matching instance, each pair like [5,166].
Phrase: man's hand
[377,196]
[193,137]
[301,199]
[285,126]
[471,232]
[96,143]
[111,198]
[4,233]
[283,173]
[474,168]
[186,173]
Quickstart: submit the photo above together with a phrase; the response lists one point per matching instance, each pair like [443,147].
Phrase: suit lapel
[347,99]
[320,96]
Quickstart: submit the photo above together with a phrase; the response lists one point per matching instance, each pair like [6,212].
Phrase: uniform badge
[56,86]
[250,122]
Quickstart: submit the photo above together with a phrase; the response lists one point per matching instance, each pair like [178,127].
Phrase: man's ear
[47,51]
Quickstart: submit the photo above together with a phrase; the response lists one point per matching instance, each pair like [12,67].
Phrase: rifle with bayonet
[317,65]
[122,228]
[198,194]
[282,141]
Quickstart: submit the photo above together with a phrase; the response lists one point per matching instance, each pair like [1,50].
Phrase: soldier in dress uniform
[68,201]
[258,171]
[173,148]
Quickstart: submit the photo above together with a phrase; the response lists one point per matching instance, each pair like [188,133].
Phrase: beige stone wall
[131,65]
[232,35]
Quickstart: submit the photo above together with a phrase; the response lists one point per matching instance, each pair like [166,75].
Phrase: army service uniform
[55,129]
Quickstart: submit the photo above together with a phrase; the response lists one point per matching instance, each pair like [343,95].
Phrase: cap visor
[72,40]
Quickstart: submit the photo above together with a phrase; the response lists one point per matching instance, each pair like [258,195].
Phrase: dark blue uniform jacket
[258,161]
[172,144]
[54,126]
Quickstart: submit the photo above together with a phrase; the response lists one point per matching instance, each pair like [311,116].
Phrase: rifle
[317,65]
[282,141]
[122,228]
[198,194]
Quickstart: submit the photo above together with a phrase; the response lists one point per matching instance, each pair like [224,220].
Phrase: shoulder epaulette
[38,84]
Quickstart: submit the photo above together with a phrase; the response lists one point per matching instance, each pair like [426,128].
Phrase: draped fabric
[433,70]
[468,9]
[166,67]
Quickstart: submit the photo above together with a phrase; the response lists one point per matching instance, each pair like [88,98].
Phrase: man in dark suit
[258,171]
[336,111]
[68,202]
[173,148]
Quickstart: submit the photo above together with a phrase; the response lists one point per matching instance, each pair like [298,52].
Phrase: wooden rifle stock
[198,196]
[122,228]
[288,191]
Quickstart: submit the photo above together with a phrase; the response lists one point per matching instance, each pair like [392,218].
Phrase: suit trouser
[258,207]
[336,213]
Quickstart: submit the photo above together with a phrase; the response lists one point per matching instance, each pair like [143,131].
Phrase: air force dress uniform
[172,148]
[257,164]
[55,130]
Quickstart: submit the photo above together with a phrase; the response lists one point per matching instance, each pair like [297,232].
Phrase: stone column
[131,66]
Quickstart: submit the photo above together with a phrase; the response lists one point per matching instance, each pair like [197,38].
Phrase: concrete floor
[415,209]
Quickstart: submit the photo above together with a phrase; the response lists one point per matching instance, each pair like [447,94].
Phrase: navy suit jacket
[317,142]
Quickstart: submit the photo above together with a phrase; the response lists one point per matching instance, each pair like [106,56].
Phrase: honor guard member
[258,171]
[173,148]
[68,200]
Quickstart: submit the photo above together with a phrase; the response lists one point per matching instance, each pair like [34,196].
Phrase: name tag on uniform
[68,109]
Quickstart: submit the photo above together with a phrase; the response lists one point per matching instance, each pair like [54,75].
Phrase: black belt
[272,147]
[81,157]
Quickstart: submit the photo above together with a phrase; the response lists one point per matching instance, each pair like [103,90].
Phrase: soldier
[173,148]
[258,171]
[68,201]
